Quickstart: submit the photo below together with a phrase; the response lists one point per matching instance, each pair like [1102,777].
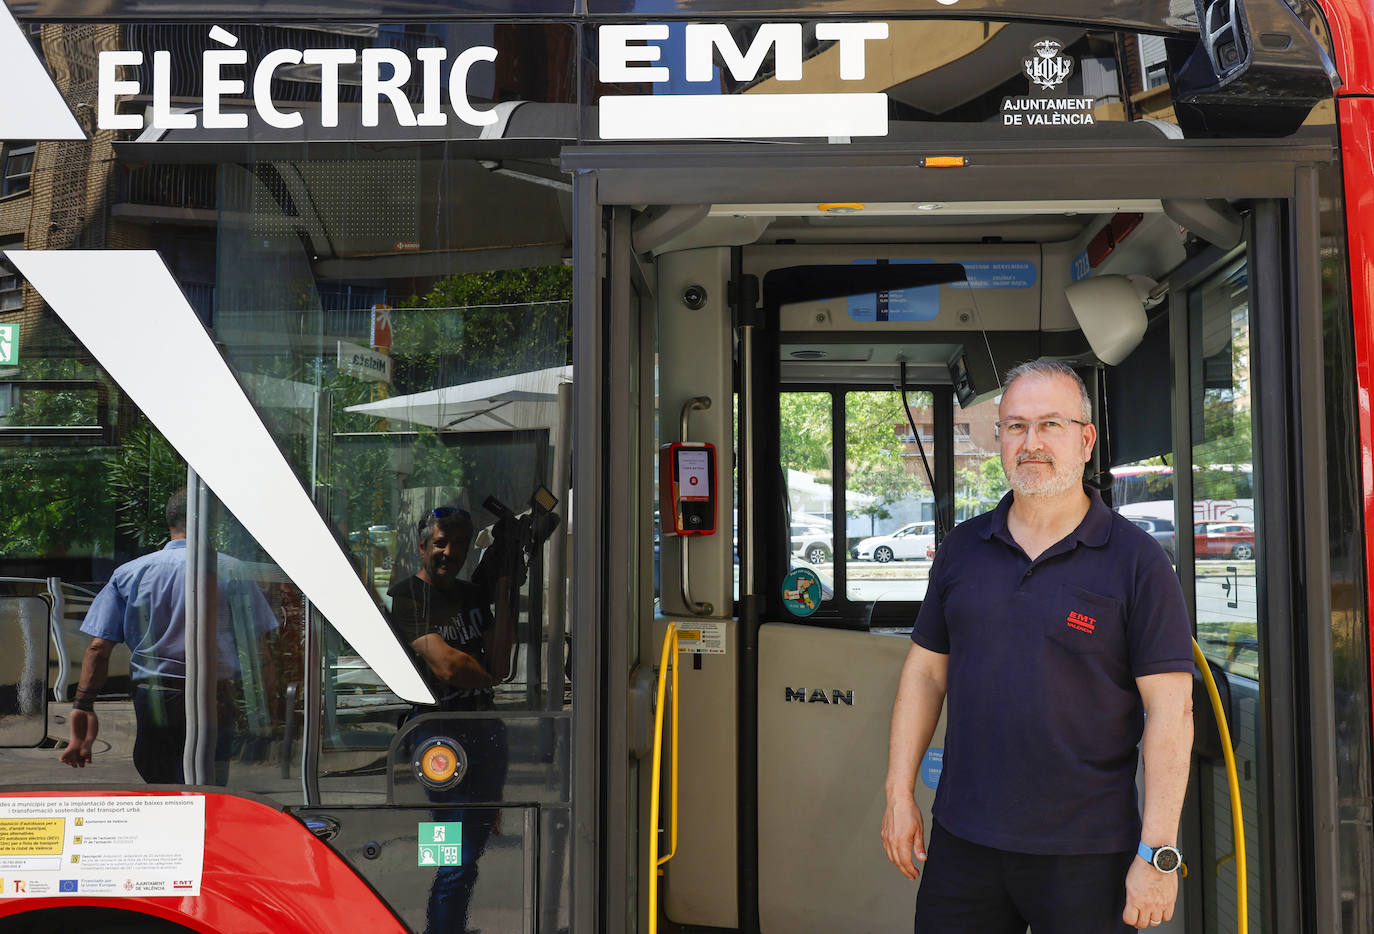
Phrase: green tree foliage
[63,499]
[466,328]
[144,472]
[805,434]
[1227,425]
[874,452]
[885,481]
[874,448]
[56,501]
[977,489]
[482,325]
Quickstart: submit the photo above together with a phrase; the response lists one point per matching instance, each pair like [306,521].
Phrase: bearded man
[1058,632]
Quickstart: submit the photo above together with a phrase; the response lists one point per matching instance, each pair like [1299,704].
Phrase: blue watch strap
[1145,853]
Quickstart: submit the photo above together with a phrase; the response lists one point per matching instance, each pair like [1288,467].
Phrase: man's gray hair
[454,520]
[1047,368]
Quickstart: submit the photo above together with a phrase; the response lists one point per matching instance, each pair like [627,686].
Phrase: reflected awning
[507,403]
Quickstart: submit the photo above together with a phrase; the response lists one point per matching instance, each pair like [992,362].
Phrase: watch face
[1166,859]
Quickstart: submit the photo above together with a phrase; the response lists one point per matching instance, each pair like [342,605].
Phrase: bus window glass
[414,406]
[401,367]
[807,448]
[1224,520]
[979,480]
[890,506]
[1144,493]
[1226,573]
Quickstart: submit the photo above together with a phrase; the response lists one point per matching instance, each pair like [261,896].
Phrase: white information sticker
[701,637]
[113,846]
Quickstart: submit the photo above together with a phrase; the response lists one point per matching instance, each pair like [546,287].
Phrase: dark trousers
[484,741]
[972,889]
[160,715]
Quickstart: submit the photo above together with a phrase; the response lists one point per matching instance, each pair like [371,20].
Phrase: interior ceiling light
[930,206]
[840,207]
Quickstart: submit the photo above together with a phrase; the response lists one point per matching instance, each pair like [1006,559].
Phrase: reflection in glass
[805,444]
[1226,573]
[1223,450]
[1143,492]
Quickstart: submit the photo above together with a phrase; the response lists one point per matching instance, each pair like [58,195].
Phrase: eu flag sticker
[66,885]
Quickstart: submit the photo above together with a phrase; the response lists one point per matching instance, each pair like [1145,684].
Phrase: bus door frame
[1282,240]
[1284,171]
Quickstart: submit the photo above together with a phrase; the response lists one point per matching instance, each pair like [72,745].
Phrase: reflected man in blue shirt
[144,606]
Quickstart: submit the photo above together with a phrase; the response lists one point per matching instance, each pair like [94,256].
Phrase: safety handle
[1233,780]
[667,661]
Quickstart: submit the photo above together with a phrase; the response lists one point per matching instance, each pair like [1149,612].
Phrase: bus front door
[860,419]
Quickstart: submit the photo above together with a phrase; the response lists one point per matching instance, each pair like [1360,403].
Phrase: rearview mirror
[23,671]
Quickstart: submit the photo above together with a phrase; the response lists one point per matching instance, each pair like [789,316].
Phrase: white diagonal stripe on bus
[31,107]
[127,310]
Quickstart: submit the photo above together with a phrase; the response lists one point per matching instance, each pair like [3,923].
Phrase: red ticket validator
[687,488]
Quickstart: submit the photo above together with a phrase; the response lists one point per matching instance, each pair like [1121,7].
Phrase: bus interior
[857,400]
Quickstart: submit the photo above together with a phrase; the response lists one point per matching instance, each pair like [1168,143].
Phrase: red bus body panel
[1357,158]
[263,871]
[1352,29]
[1352,38]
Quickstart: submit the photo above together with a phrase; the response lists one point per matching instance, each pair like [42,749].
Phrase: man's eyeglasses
[1052,427]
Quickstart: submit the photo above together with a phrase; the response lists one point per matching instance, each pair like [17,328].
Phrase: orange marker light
[943,162]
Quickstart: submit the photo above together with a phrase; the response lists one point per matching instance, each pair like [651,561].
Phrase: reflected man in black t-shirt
[465,650]
[448,622]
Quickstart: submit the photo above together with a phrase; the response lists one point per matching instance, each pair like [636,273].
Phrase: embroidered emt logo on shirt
[1081,622]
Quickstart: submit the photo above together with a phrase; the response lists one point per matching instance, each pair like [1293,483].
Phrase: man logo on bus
[1048,69]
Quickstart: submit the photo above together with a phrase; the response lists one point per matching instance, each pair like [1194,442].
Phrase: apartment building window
[18,168]
[1154,61]
[11,286]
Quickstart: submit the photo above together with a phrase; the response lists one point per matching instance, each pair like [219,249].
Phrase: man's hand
[1150,895]
[904,834]
[83,727]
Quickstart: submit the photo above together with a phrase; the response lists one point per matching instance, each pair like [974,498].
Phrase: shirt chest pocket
[1083,622]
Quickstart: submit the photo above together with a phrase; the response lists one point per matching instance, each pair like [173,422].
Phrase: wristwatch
[1166,858]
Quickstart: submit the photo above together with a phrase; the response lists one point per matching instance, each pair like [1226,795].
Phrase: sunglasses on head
[444,512]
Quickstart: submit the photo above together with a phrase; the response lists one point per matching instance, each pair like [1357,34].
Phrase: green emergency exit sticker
[441,844]
[9,344]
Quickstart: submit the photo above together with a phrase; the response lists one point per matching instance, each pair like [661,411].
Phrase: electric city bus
[617,294]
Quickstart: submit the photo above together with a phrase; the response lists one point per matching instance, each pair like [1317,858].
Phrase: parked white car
[907,543]
[812,542]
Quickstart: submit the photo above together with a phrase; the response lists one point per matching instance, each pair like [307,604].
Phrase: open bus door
[784,723]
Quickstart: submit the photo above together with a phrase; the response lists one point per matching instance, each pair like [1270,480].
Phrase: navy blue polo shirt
[1043,717]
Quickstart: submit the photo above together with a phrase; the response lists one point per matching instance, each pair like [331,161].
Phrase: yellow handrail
[1232,779]
[667,661]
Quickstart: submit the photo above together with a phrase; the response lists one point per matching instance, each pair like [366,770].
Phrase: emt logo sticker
[1082,622]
